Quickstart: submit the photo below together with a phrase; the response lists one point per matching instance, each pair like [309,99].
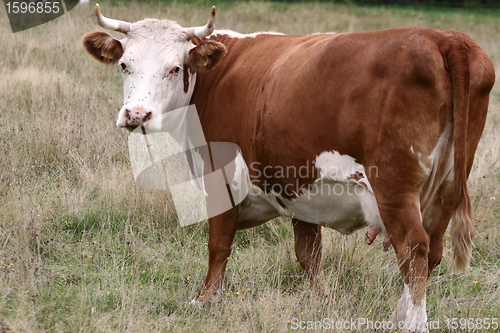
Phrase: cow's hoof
[196,303]
[207,298]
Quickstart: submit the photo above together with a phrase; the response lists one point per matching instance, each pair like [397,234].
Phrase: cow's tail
[456,55]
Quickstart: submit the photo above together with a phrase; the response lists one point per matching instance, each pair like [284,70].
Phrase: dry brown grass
[83,249]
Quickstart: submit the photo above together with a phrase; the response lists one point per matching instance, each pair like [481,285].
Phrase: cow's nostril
[137,116]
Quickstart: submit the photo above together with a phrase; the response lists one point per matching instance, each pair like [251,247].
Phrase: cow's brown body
[382,97]
[410,102]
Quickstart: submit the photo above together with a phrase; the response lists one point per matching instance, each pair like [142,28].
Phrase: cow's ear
[206,54]
[103,47]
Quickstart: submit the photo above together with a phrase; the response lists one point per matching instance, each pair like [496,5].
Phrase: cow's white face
[159,65]
[156,76]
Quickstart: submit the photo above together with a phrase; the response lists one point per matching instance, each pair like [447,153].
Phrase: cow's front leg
[308,248]
[220,240]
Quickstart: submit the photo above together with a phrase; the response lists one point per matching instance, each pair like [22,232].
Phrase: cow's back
[292,97]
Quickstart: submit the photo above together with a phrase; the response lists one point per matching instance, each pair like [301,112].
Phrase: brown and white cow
[393,116]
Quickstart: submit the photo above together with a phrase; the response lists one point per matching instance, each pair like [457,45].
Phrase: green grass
[83,249]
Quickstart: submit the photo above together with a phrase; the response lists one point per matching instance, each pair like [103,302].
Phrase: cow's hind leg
[436,219]
[403,222]
[308,248]
[220,240]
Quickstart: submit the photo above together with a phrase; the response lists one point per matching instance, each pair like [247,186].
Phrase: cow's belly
[341,198]
[333,204]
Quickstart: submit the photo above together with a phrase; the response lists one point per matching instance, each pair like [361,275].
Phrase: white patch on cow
[330,203]
[370,210]
[438,167]
[411,149]
[324,33]
[197,172]
[414,316]
[341,199]
[234,34]
[257,207]
[420,213]
[335,166]
[239,185]
[425,168]
[436,156]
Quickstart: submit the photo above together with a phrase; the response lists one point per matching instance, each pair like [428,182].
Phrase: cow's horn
[204,31]
[110,24]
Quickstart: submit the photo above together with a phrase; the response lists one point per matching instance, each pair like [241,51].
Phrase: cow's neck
[216,106]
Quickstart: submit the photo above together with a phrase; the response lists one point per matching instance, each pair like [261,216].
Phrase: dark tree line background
[433,3]
[441,3]
[447,3]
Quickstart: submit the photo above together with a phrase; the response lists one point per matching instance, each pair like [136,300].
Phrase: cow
[391,119]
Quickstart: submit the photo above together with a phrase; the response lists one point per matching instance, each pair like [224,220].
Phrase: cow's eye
[124,67]
[175,70]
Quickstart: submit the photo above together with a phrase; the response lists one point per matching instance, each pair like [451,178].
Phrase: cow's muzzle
[137,116]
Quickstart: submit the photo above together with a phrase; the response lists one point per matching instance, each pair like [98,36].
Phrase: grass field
[83,249]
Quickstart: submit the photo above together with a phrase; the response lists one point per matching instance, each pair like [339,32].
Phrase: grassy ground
[82,249]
